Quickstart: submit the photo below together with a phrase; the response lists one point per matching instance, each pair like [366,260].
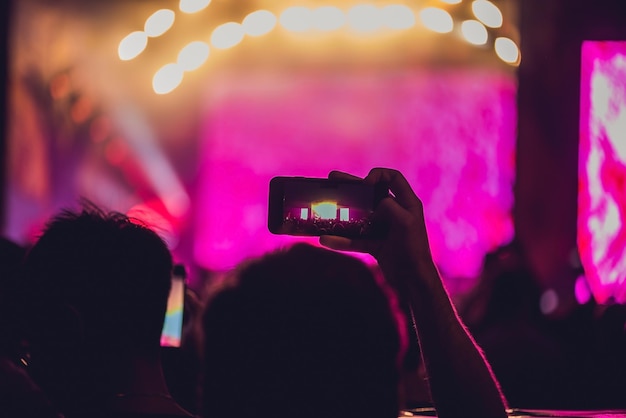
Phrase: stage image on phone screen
[173,324]
[313,207]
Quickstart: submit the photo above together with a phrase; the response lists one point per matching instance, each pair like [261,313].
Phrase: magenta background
[602,169]
[452,133]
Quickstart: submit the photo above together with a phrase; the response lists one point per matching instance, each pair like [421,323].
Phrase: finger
[340,175]
[409,223]
[389,210]
[398,185]
[346,244]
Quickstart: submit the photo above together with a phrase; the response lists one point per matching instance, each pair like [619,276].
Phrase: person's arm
[460,379]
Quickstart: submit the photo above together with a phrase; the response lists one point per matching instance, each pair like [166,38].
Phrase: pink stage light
[451,133]
[602,169]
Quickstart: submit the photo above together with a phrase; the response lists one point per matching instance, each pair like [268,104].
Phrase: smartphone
[171,335]
[308,206]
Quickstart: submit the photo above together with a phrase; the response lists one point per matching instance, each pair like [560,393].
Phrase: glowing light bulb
[132,45]
[397,16]
[327,18]
[167,78]
[296,19]
[488,13]
[507,50]
[193,6]
[159,22]
[227,35]
[452,1]
[259,23]
[364,18]
[437,20]
[474,32]
[193,55]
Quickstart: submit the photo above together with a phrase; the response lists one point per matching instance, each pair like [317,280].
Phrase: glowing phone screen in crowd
[173,325]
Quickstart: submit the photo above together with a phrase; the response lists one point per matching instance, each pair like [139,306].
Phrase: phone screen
[173,325]
[317,206]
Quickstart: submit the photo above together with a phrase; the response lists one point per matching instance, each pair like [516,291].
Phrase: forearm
[460,379]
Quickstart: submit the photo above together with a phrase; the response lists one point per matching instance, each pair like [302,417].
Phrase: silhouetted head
[95,289]
[301,332]
[507,290]
[11,257]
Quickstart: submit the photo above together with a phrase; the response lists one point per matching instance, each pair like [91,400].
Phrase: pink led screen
[452,133]
[602,169]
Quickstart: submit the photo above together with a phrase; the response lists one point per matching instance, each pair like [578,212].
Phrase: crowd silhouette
[92,297]
[302,331]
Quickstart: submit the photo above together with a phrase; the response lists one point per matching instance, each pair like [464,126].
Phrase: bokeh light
[167,78]
[361,18]
[437,20]
[488,13]
[193,55]
[474,32]
[364,18]
[81,109]
[60,86]
[193,6]
[132,45]
[296,19]
[159,22]
[327,18]
[549,302]
[397,16]
[227,35]
[581,290]
[259,23]
[507,50]
[100,128]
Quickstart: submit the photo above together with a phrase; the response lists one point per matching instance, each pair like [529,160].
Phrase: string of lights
[478,22]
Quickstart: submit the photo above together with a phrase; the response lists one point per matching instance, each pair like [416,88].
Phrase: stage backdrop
[197,162]
[452,133]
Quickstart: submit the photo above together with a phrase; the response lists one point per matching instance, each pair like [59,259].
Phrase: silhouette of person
[503,313]
[19,396]
[308,331]
[94,288]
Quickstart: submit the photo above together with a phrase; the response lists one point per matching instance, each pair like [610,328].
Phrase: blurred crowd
[303,331]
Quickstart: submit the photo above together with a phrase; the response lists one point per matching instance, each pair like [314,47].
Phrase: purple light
[602,169]
[451,133]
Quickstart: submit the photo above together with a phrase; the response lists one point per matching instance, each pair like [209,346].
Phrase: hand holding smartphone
[309,206]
